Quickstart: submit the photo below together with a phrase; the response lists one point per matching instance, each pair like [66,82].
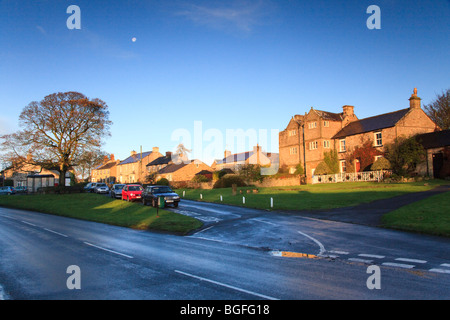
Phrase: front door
[438,162]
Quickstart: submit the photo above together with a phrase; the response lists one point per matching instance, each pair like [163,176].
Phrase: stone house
[107,171]
[307,137]
[159,163]
[183,171]
[237,160]
[133,169]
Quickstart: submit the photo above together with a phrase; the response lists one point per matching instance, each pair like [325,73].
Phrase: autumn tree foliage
[365,154]
[57,131]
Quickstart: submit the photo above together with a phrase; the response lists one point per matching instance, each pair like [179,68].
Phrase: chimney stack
[227,153]
[155,149]
[414,101]
[133,153]
[348,110]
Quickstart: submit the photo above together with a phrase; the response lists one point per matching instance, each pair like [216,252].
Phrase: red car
[132,192]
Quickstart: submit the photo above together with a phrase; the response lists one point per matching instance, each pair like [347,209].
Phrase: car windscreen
[161,190]
[119,187]
[134,188]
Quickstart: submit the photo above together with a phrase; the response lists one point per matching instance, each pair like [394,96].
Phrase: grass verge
[103,209]
[310,197]
[430,216]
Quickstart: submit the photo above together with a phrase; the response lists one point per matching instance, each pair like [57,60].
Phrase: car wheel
[175,205]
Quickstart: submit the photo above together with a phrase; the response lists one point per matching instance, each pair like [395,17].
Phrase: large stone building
[307,137]
[107,171]
[133,169]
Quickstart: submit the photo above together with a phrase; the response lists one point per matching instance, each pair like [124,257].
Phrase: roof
[135,158]
[382,121]
[325,115]
[106,166]
[160,160]
[171,168]
[243,156]
[434,139]
[203,172]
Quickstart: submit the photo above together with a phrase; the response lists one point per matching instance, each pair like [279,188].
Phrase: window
[378,139]
[312,125]
[326,123]
[292,133]
[293,150]
[342,145]
[343,166]
[326,144]
[313,145]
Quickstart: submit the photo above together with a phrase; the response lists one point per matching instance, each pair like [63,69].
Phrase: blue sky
[247,65]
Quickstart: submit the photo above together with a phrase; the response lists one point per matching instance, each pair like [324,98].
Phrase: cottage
[133,168]
[237,160]
[183,171]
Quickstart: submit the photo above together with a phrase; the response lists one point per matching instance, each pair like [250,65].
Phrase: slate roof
[107,166]
[434,139]
[381,121]
[160,160]
[325,115]
[135,158]
[172,168]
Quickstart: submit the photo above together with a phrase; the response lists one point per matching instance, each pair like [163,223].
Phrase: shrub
[163,181]
[228,180]
[200,178]
[322,168]
[381,164]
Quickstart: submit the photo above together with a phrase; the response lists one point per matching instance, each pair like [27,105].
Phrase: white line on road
[29,223]
[360,260]
[112,251]
[370,256]
[273,224]
[400,265]
[445,265]
[322,248]
[440,270]
[411,260]
[63,235]
[226,285]
[339,252]
[3,295]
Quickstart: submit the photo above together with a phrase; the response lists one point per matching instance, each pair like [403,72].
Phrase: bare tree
[439,110]
[56,131]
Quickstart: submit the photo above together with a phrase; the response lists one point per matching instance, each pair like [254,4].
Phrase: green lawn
[103,209]
[431,216]
[310,197]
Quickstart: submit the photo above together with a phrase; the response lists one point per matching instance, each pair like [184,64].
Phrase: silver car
[116,190]
[101,188]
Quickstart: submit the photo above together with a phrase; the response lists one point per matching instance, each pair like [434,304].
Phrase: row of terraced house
[304,141]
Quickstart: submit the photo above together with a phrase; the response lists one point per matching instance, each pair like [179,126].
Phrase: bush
[381,164]
[163,182]
[322,168]
[228,180]
[200,178]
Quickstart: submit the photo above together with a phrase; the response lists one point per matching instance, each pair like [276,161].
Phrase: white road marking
[400,265]
[370,256]
[203,230]
[360,260]
[211,210]
[63,235]
[29,223]
[445,265]
[440,270]
[226,285]
[322,248]
[112,251]
[411,260]
[273,224]
[3,295]
[339,252]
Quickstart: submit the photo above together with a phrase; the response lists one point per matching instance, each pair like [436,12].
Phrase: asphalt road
[236,256]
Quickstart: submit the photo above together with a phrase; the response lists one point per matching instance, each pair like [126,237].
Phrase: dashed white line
[29,223]
[112,251]
[52,231]
[226,285]
[339,252]
[370,256]
[440,270]
[360,260]
[400,265]
[411,260]
[445,265]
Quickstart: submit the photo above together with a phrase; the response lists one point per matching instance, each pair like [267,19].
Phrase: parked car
[21,189]
[101,188]
[90,187]
[116,190]
[131,192]
[7,190]
[152,193]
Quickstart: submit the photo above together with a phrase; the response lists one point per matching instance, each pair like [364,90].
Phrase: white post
[221,198]
[184,191]
[271,202]
[201,196]
[243,200]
